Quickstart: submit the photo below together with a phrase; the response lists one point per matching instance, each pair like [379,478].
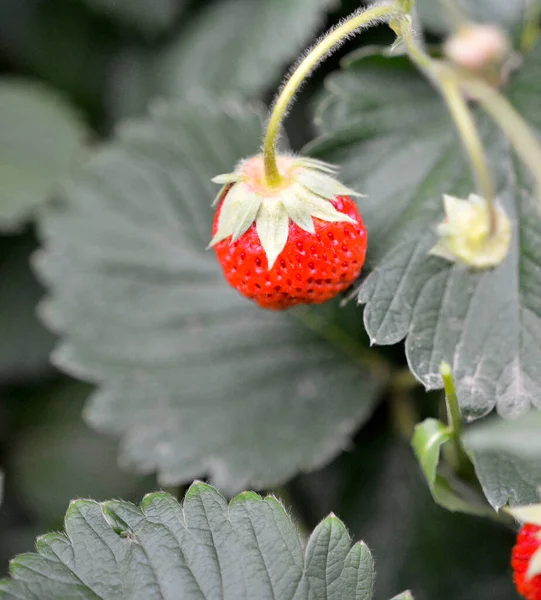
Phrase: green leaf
[195,378]
[205,548]
[151,16]
[41,135]
[506,456]
[378,490]
[428,440]
[231,46]
[392,134]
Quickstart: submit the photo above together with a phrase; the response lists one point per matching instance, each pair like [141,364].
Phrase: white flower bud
[478,47]
[466,236]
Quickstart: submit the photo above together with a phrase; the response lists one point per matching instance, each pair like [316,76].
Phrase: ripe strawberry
[528,543]
[301,242]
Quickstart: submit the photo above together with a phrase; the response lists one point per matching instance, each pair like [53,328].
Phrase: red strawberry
[300,243]
[528,544]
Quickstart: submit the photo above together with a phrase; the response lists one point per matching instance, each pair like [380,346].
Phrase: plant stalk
[331,41]
[471,139]
[451,92]
[454,415]
[463,465]
[509,120]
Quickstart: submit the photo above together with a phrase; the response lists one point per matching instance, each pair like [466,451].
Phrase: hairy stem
[332,40]
[509,120]
[471,139]
[451,92]
[404,28]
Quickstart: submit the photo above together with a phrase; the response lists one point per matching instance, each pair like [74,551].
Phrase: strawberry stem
[463,465]
[454,416]
[332,40]
[510,122]
[451,92]
[471,139]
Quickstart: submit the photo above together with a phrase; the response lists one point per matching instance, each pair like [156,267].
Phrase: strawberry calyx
[305,191]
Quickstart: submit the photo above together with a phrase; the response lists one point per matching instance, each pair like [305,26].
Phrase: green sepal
[429,438]
[308,191]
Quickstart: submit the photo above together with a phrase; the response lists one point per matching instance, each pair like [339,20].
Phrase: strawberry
[525,552]
[301,242]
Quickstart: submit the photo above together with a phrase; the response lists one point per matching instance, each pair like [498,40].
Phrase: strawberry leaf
[378,490]
[397,144]
[506,459]
[192,376]
[201,549]
[428,441]
[41,135]
[230,47]
[151,16]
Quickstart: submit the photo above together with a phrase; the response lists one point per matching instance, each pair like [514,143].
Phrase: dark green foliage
[114,117]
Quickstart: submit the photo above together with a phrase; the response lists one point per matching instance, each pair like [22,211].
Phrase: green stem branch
[332,40]
[463,465]
[471,139]
[451,92]
[403,28]
[453,408]
[509,120]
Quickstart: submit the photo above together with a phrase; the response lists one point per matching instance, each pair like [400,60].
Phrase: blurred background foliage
[104,60]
